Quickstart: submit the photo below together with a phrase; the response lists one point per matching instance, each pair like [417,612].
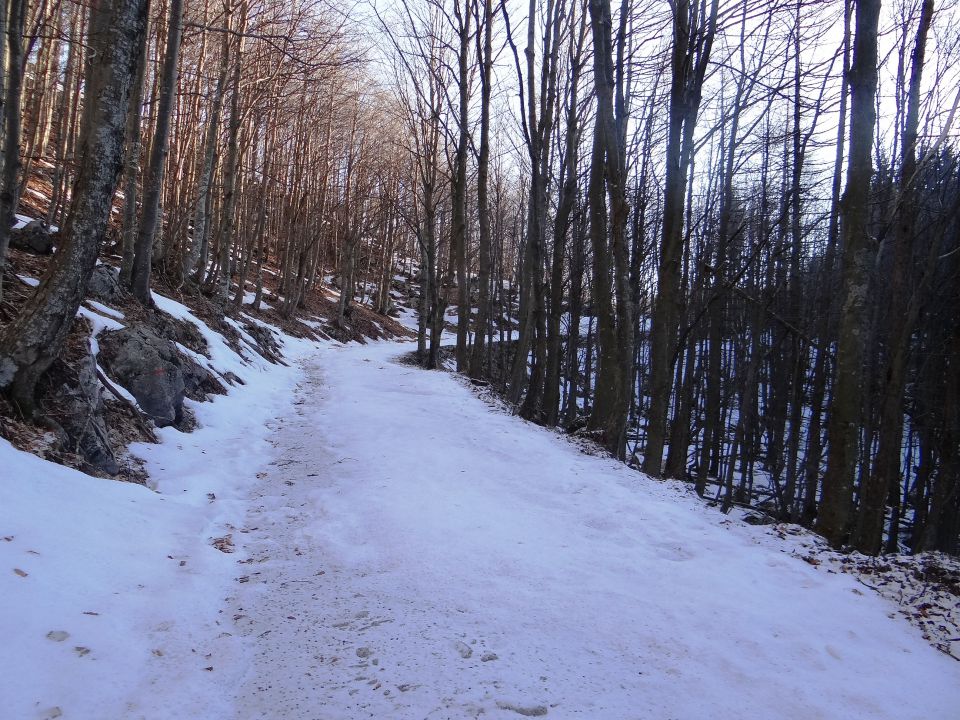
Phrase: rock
[267,344]
[198,382]
[74,408]
[33,237]
[149,367]
[181,331]
[465,650]
[525,710]
[104,284]
[233,378]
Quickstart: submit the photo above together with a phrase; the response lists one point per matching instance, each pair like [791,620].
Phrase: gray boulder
[78,408]
[34,237]
[104,284]
[149,367]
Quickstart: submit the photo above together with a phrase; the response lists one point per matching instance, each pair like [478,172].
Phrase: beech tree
[858,252]
[31,343]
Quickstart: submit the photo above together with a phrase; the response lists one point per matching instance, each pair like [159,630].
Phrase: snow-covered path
[414,554]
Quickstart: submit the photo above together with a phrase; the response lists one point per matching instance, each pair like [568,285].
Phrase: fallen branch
[147,430]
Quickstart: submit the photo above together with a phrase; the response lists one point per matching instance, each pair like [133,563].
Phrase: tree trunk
[611,257]
[858,253]
[131,167]
[691,53]
[458,224]
[483,201]
[150,217]
[32,342]
[15,15]
[195,255]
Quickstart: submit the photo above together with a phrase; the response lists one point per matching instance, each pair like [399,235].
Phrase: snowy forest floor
[403,550]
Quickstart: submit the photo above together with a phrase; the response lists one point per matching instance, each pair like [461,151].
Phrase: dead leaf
[81,651]
[224,544]
[20,572]
[58,635]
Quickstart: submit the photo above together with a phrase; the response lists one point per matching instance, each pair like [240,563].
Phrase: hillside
[308,553]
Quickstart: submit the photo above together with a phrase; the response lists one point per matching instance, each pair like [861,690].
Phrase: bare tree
[30,344]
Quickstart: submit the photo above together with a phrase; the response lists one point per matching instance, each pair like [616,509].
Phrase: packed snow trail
[413,553]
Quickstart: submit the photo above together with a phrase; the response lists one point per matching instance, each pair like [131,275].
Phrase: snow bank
[105,587]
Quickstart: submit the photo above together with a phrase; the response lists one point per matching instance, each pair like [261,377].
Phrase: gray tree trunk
[31,343]
[691,53]
[900,319]
[195,256]
[611,261]
[843,424]
[483,200]
[459,220]
[15,13]
[150,218]
[131,167]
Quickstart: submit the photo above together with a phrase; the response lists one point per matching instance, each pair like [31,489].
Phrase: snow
[249,297]
[26,280]
[120,584]
[104,310]
[221,356]
[417,554]
[21,221]
[98,323]
[403,550]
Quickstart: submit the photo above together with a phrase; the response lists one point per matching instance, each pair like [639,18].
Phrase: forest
[719,239]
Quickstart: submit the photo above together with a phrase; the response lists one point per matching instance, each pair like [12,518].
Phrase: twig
[148,431]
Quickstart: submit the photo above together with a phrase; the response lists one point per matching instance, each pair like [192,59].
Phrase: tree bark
[483,200]
[689,64]
[15,15]
[611,257]
[900,319]
[858,254]
[150,217]
[32,342]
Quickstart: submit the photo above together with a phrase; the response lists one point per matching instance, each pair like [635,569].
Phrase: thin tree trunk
[132,166]
[691,53]
[150,219]
[195,258]
[15,14]
[483,201]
